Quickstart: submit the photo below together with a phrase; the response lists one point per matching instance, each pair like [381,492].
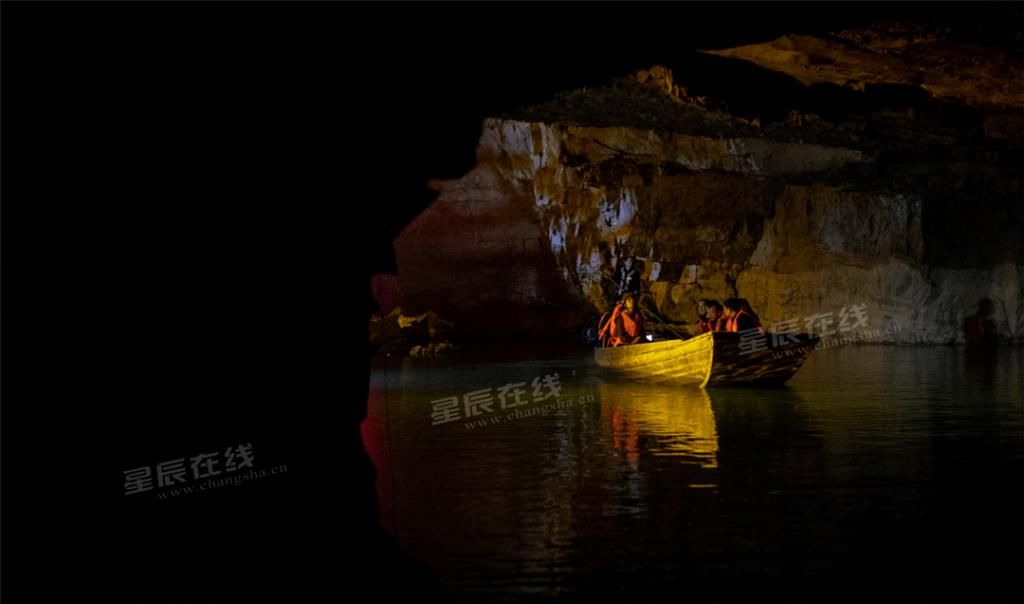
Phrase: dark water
[878,472]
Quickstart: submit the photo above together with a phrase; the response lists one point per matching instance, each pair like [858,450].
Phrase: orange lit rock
[981,76]
[908,214]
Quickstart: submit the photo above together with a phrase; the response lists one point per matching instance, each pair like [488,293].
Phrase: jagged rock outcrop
[478,255]
[909,214]
[419,335]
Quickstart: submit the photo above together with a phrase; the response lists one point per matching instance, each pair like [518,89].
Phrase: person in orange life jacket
[711,318]
[739,317]
[625,326]
[628,325]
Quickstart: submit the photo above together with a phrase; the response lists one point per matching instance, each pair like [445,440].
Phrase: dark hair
[746,306]
[733,304]
[712,303]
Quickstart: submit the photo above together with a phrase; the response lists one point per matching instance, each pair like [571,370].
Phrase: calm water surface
[878,471]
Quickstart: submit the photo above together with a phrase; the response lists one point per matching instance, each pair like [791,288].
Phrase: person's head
[731,306]
[713,309]
[628,262]
[628,302]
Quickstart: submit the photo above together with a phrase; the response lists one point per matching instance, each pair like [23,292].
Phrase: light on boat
[650,338]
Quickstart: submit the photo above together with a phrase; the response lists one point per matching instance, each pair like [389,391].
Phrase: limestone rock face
[479,255]
[893,221]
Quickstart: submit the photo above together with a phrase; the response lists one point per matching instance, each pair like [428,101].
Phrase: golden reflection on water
[674,421]
[610,489]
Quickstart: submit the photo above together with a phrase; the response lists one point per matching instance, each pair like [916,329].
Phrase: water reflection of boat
[710,359]
[672,421]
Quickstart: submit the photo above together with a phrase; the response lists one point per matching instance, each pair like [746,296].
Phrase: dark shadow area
[981,335]
[203,194]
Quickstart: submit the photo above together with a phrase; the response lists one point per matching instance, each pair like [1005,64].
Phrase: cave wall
[878,178]
[478,255]
[551,208]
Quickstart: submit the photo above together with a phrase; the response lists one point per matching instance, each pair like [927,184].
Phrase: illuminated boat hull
[710,359]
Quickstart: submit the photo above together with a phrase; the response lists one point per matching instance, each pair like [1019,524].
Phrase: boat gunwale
[608,357]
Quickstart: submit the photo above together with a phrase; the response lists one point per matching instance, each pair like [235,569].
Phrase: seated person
[711,318]
[745,306]
[625,326]
[739,317]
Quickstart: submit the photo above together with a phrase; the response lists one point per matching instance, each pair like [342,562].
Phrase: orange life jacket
[604,334]
[632,328]
[711,325]
[732,325]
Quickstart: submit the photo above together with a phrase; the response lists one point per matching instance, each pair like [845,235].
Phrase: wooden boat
[710,359]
